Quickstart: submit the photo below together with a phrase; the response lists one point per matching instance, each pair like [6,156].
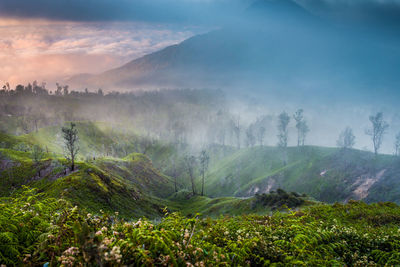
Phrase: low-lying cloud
[40,50]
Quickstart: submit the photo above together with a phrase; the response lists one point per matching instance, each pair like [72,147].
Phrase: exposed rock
[364,183]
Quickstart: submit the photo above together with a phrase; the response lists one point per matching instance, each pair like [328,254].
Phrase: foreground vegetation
[38,231]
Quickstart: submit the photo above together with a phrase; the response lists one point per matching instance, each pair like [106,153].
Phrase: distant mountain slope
[275,43]
[210,58]
[327,174]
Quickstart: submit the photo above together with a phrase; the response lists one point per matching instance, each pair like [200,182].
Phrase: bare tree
[24,123]
[235,124]
[283,123]
[70,135]
[221,135]
[303,131]
[37,117]
[261,135]
[301,126]
[261,125]
[37,155]
[145,144]
[250,137]
[379,128]
[204,161]
[298,117]
[174,162]
[346,139]
[397,145]
[190,162]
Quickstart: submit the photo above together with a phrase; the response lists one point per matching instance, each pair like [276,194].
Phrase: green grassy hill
[112,176]
[130,185]
[327,174]
[95,139]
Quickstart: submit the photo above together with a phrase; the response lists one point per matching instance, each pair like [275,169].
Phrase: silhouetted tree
[298,117]
[303,132]
[145,144]
[58,90]
[379,127]
[283,122]
[190,162]
[397,145]
[250,138]
[37,155]
[174,163]
[19,89]
[236,128]
[301,126]
[70,135]
[65,89]
[261,135]
[346,138]
[204,161]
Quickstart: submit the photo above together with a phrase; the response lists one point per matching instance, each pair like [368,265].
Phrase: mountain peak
[283,9]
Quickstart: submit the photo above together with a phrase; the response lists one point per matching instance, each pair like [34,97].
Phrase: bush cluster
[279,199]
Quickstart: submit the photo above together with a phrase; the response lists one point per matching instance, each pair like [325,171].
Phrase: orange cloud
[52,51]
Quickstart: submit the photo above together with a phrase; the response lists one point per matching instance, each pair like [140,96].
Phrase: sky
[49,50]
[49,40]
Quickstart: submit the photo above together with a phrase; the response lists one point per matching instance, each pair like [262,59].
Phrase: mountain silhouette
[275,42]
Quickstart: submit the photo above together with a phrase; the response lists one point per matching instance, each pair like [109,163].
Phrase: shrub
[35,230]
[21,147]
[278,199]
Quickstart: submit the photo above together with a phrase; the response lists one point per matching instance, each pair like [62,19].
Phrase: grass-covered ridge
[129,185]
[52,231]
[327,174]
[109,162]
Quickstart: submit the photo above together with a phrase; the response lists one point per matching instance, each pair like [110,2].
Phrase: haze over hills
[275,44]
[280,120]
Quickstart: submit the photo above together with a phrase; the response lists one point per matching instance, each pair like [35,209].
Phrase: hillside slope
[133,185]
[327,174]
[130,186]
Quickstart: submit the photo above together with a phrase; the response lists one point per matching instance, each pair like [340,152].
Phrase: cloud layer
[49,51]
[49,40]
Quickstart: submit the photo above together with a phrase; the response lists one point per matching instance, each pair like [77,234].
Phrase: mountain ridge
[304,52]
